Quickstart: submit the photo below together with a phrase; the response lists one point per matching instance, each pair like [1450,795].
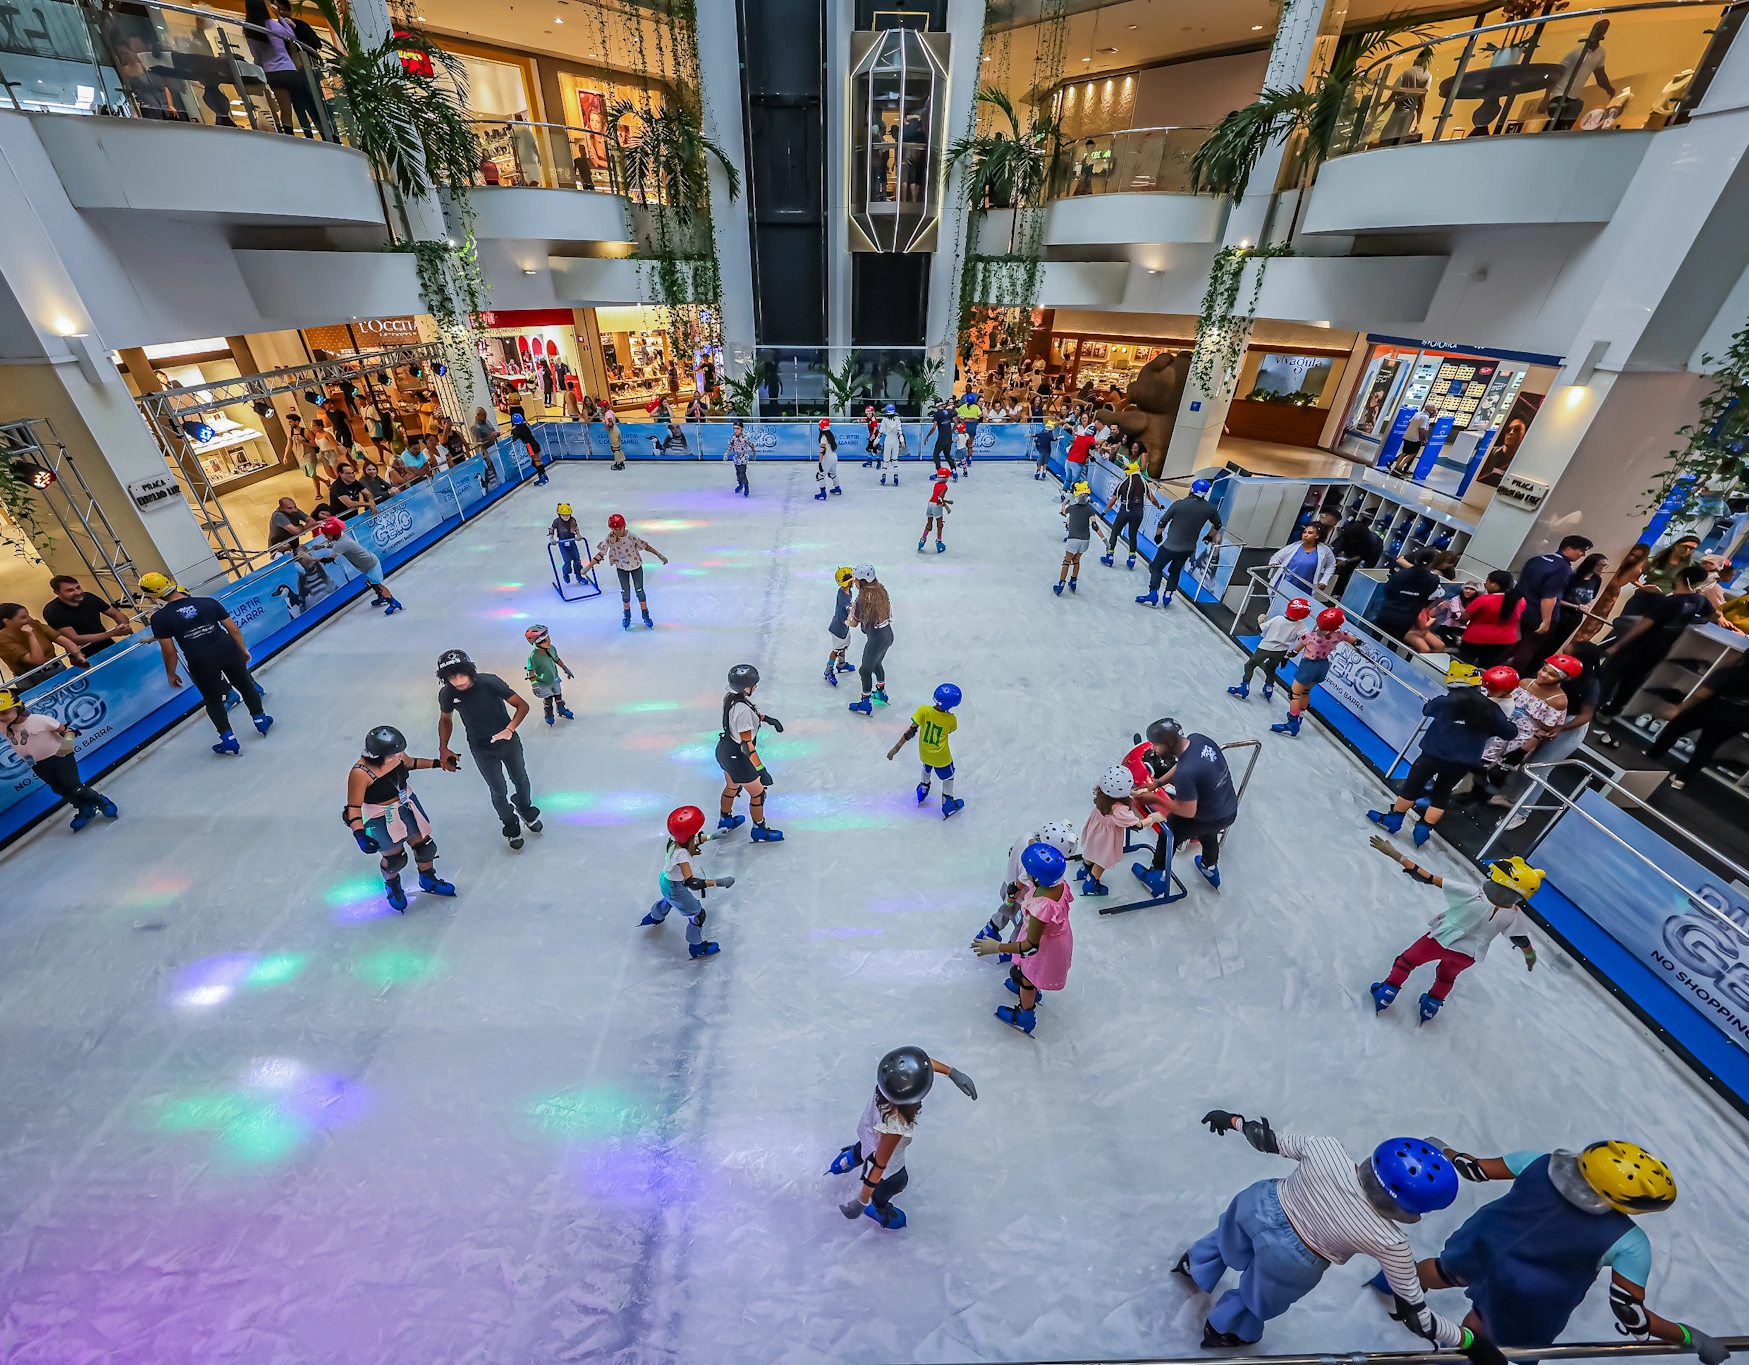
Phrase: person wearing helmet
[1176,534]
[490,726]
[385,816]
[962,450]
[1103,836]
[565,532]
[1044,442]
[872,613]
[1316,647]
[626,553]
[1060,835]
[1199,799]
[1461,723]
[943,420]
[1047,946]
[1282,1235]
[332,542]
[214,650]
[45,746]
[1077,515]
[1282,634]
[542,671]
[935,510]
[1528,1259]
[615,439]
[681,888]
[1075,458]
[892,443]
[970,415]
[826,471]
[740,450]
[738,755]
[902,1079]
[1135,495]
[1458,937]
[871,446]
[934,721]
[1538,710]
[838,629]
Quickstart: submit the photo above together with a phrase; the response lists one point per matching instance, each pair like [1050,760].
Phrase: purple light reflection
[637,1175]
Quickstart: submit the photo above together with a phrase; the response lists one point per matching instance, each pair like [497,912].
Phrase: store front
[533,356]
[636,351]
[1480,405]
[1284,394]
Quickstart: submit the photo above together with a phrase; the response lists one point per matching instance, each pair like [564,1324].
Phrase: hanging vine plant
[1718,442]
[20,502]
[1222,330]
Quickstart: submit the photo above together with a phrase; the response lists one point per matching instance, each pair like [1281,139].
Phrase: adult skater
[1282,1235]
[336,543]
[565,532]
[521,431]
[935,513]
[686,840]
[1316,647]
[626,553]
[944,431]
[740,450]
[1078,522]
[1461,724]
[490,726]
[738,755]
[1133,492]
[213,648]
[838,629]
[1179,528]
[542,671]
[827,471]
[1047,946]
[1200,800]
[1103,835]
[1458,938]
[385,816]
[902,1079]
[872,613]
[1060,835]
[892,443]
[610,421]
[934,721]
[1528,1259]
[44,745]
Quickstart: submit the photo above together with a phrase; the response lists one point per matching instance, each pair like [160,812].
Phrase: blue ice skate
[922,792]
[550,720]
[82,817]
[1242,691]
[1211,875]
[626,623]
[433,885]
[1094,887]
[396,894]
[1423,832]
[262,723]
[1057,588]
[1268,691]
[951,805]
[1072,583]
[227,744]
[921,544]
[940,547]
[1388,820]
[1130,562]
[831,673]
[1108,561]
[1380,1285]
[1149,599]
[1038,996]
[647,621]
[107,807]
[394,605]
[1083,872]
[1289,727]
[566,712]
[658,913]
[764,834]
[846,667]
[1383,993]
[865,706]
[990,930]
[892,1220]
[1429,1007]
[844,1162]
[1015,1017]
[1156,879]
[731,821]
[706,949]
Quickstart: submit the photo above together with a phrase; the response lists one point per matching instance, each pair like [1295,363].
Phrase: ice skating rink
[249,1115]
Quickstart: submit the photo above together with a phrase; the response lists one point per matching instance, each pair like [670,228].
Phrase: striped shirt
[1330,1212]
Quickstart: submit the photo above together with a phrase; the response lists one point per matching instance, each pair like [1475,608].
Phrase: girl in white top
[892,442]
[38,741]
[885,1129]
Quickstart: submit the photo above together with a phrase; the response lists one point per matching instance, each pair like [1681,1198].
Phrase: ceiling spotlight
[558,21]
[1108,49]
[1257,28]
[34,475]
[1087,59]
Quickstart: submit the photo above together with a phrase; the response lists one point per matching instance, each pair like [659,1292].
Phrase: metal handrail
[1576,1350]
[508,122]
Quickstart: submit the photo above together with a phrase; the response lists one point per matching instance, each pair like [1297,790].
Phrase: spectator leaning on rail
[212,646]
[79,614]
[27,646]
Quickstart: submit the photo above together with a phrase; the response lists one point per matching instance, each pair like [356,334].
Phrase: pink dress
[1048,968]
[1102,835]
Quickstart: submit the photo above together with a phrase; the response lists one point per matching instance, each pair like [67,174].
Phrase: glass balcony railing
[1587,70]
[170,62]
[545,156]
[1136,160]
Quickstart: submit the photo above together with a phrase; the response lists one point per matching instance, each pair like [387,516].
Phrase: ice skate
[844,1162]
[656,914]
[647,621]
[1094,887]
[1130,563]
[262,724]
[1057,588]
[566,712]
[1289,727]
[731,821]
[705,949]
[880,694]
[764,834]
[922,792]
[107,808]
[1429,1007]
[1148,599]
[844,667]
[1108,561]
[883,480]
[920,545]
[549,717]
[1156,879]
[626,623]
[1268,691]
[1015,1017]
[433,885]
[397,894]
[1072,583]
[950,805]
[394,605]
[1242,691]
[940,547]
[1423,832]
[513,832]
[1217,1341]
[865,706]
[1392,821]
[82,817]
[1211,875]
[1383,993]
[837,492]
[820,496]
[831,674]
[227,744]
[892,1220]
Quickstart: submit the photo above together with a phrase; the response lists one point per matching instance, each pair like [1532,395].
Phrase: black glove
[1261,1136]
[1710,1349]
[696,883]
[764,774]
[1482,1351]
[366,844]
[725,882]
[774,723]
[963,1081]
[851,1208]
[1220,1122]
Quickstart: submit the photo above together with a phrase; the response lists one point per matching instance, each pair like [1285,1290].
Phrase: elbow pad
[695,883]
[1418,1318]
[1261,1136]
[1468,1167]
[1630,1313]
[1419,874]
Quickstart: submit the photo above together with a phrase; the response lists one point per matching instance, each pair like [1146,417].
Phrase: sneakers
[1383,993]
[513,832]
[1211,875]
[1392,821]
[1242,691]
[227,744]
[1148,599]
[950,805]
[1015,1017]
[865,706]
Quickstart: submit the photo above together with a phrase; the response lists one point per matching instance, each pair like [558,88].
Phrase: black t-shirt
[1133,491]
[483,708]
[1583,693]
[1080,516]
[347,488]
[1202,776]
[1405,593]
[84,617]
[198,625]
[1357,540]
[1731,684]
[1181,524]
[1671,613]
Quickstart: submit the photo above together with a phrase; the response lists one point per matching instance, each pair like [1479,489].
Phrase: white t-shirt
[1279,633]
[677,854]
[1470,921]
[742,718]
[1419,425]
[1582,65]
[868,1132]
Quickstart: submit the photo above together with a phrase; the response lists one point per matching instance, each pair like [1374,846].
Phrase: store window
[533,359]
[230,442]
[587,100]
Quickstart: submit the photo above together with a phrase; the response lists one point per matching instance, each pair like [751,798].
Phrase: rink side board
[773,439]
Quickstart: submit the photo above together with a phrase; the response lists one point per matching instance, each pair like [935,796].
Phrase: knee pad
[1018,977]
[425,851]
[392,863]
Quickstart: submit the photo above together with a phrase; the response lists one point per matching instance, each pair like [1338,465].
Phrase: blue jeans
[1275,1267]
[571,559]
[679,897]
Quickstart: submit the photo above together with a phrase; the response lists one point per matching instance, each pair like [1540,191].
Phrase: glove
[1220,1122]
[725,882]
[988,947]
[366,844]
[774,723]
[851,1208]
[963,1081]
[1482,1351]
[764,775]
[1710,1349]
[696,883]
[569,673]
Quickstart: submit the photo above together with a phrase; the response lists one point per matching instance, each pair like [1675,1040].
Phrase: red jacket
[1079,447]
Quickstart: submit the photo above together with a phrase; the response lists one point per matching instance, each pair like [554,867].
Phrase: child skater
[1047,946]
[685,842]
[873,613]
[1316,646]
[626,553]
[839,629]
[962,451]
[892,444]
[935,723]
[827,473]
[1458,937]
[542,671]
[1102,837]
[935,513]
[884,1132]
[1281,640]
[871,447]
[1044,441]
[44,745]
[1078,517]
[1060,835]
[566,532]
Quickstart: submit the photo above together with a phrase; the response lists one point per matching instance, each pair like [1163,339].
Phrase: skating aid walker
[587,585]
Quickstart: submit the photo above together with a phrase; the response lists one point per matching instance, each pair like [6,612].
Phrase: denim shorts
[1310,672]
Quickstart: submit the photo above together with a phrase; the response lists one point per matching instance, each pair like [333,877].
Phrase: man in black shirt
[212,646]
[349,494]
[1202,800]
[82,613]
[1134,494]
[1718,708]
[492,738]
[1630,659]
[1405,593]
[1177,532]
[1356,546]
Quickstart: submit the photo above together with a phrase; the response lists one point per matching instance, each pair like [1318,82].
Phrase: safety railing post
[1452,94]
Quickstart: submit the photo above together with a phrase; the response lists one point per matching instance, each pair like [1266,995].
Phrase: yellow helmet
[843,576]
[1629,1177]
[1050,423]
[158,585]
[1132,468]
[7,701]
[564,509]
[1518,874]
[1081,488]
[1462,675]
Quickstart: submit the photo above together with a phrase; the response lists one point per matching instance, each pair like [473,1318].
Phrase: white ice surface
[517,1127]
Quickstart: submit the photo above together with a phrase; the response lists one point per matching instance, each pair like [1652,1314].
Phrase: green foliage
[1720,434]
[923,381]
[845,384]
[1008,169]
[665,159]
[1222,331]
[17,497]
[743,394]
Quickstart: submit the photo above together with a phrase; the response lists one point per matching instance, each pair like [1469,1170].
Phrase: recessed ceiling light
[1132,28]
[1087,59]
[558,21]
[1108,49]
[1257,28]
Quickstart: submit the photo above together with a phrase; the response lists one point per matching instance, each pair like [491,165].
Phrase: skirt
[736,766]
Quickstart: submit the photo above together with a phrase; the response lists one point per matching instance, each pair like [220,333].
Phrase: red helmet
[1500,679]
[825,422]
[684,822]
[616,522]
[1298,609]
[960,427]
[1564,663]
[332,527]
[1331,618]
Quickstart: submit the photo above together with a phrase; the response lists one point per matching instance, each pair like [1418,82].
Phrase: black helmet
[742,677]
[1165,732]
[904,1075]
[383,741]
[454,661]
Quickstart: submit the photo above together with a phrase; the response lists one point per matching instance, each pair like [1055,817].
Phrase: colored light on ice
[275,969]
[279,1105]
[632,708]
[588,1112]
[669,524]
[393,967]
[510,614]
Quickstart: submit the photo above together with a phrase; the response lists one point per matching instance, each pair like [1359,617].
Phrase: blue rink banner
[772,440]
[1696,944]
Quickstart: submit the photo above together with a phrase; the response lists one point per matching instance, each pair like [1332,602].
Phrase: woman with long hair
[902,1079]
[873,613]
[1491,621]
[1576,598]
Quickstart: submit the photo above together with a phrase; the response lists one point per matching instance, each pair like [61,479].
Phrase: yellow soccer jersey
[933,728]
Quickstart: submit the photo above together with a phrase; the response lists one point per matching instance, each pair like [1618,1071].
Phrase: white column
[1196,436]
[719,74]
[840,23]
[965,27]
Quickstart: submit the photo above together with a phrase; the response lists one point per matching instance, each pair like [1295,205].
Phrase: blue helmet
[1415,1174]
[947,696]
[1200,487]
[891,409]
[1046,865]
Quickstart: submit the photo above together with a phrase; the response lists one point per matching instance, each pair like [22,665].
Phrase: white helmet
[1060,835]
[1118,782]
[863,573]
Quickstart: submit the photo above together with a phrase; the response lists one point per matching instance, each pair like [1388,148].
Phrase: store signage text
[149,492]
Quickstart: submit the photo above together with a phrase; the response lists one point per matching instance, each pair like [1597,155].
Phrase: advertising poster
[1377,390]
[592,114]
[1512,432]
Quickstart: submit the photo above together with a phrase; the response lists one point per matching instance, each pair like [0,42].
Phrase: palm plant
[664,156]
[742,393]
[1008,167]
[845,384]
[923,381]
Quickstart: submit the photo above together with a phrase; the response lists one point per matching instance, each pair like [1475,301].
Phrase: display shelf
[1698,653]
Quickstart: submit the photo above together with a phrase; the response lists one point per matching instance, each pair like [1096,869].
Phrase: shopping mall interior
[1330,418]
